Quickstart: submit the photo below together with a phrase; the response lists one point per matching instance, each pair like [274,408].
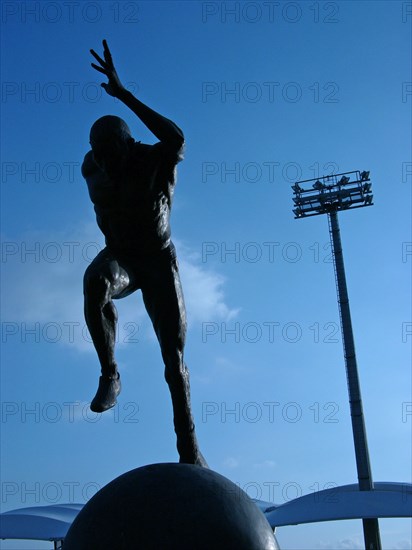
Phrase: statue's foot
[189,452]
[198,459]
[107,392]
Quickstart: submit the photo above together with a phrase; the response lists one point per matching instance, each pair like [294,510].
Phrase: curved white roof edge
[386,500]
[49,522]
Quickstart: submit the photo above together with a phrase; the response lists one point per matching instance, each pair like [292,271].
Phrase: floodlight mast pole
[330,196]
[370,526]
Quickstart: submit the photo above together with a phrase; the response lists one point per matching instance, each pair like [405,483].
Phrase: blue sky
[266,93]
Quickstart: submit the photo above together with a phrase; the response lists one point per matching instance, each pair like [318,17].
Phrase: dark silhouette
[131,186]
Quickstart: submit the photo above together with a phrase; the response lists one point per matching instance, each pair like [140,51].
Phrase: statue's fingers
[107,55]
[106,49]
[99,69]
[98,58]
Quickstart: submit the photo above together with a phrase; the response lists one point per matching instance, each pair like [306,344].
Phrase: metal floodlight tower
[328,195]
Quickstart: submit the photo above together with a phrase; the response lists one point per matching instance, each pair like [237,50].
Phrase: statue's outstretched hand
[114,86]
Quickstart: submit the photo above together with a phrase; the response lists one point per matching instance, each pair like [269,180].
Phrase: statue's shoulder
[141,150]
[161,151]
[88,166]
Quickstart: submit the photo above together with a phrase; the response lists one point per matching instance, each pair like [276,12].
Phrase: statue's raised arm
[164,129]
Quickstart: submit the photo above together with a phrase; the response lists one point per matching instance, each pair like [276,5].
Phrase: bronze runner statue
[131,185]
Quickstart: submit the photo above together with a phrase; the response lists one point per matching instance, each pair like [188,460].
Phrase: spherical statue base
[170,507]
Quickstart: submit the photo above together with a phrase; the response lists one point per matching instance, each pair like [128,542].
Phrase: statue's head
[110,140]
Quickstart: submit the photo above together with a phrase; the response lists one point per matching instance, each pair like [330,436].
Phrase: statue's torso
[133,208]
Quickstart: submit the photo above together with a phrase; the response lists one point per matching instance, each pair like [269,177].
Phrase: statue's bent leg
[163,298]
[104,279]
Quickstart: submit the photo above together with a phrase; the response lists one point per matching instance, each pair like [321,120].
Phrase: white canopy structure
[387,500]
[39,522]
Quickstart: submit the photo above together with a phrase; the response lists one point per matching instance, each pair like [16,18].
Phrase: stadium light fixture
[329,195]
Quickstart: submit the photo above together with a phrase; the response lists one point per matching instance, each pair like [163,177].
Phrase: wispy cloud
[350,543]
[265,464]
[231,462]
[43,276]
[221,368]
[42,282]
[203,289]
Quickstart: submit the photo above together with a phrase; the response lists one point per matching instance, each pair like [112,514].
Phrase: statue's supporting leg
[177,377]
[164,302]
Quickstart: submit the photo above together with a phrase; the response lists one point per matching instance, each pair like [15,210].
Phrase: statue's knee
[95,285]
[172,375]
[175,369]
[172,354]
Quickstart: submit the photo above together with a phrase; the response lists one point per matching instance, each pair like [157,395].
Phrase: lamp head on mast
[332,193]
